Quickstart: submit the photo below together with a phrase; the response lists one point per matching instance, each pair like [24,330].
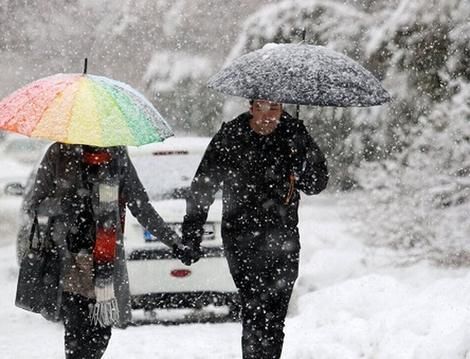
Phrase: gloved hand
[186,254]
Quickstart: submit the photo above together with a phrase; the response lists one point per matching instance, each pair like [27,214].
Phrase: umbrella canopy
[300,74]
[83,109]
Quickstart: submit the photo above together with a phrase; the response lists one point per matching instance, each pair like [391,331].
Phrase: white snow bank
[377,316]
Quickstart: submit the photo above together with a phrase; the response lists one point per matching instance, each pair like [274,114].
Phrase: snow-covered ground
[350,302]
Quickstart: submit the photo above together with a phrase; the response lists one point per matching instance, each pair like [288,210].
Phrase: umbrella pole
[85,66]
[297,112]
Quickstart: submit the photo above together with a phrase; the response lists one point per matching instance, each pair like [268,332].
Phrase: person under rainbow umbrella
[83,185]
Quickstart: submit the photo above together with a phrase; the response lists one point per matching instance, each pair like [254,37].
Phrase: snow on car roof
[172,145]
[166,168]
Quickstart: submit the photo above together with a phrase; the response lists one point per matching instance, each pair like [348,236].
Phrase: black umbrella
[300,74]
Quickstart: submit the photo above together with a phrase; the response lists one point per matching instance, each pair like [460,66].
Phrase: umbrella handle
[290,192]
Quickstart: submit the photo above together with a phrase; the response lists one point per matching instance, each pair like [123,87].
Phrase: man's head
[266,116]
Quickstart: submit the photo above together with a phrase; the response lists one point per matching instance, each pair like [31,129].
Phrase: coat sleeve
[313,175]
[139,204]
[42,198]
[309,163]
[207,181]
[50,196]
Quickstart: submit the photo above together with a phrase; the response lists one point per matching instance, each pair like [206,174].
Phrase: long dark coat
[260,177]
[58,192]
[253,171]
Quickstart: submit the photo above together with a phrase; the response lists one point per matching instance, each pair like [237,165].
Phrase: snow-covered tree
[427,200]
[420,200]
[39,38]
[176,83]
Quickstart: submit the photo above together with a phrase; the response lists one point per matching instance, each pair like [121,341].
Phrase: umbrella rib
[20,109]
[69,116]
[50,102]
[137,98]
[147,117]
[123,115]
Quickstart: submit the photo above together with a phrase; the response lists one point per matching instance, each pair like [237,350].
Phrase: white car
[22,149]
[157,279]
[18,154]
[13,178]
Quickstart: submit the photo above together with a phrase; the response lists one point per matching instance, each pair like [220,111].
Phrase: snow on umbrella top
[83,109]
[300,74]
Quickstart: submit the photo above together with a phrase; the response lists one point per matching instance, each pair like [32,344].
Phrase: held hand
[186,254]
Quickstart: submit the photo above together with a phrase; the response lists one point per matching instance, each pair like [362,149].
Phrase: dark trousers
[82,339]
[265,280]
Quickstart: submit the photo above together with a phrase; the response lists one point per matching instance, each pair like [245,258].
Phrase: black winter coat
[58,194]
[254,173]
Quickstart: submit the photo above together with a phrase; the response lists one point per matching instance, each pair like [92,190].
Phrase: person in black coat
[84,192]
[261,160]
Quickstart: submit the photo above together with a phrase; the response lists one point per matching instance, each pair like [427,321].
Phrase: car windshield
[167,175]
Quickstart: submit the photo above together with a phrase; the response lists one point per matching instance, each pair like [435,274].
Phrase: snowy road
[349,303]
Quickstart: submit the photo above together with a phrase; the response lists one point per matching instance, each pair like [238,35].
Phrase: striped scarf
[103,180]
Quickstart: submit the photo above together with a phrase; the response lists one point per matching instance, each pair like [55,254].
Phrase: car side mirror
[14,189]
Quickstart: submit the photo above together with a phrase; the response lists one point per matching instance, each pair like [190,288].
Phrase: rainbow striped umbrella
[83,109]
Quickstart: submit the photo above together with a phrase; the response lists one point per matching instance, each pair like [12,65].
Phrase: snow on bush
[421,200]
[176,82]
[167,69]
